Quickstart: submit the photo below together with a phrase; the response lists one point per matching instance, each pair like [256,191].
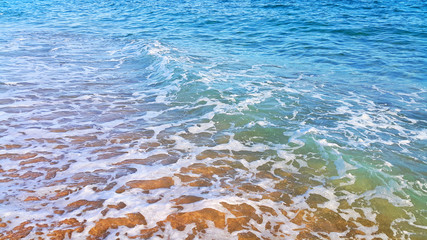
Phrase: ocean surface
[213,119]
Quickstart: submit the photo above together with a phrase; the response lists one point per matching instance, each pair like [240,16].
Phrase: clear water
[308,117]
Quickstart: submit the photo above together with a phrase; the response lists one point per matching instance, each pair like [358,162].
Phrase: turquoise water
[315,110]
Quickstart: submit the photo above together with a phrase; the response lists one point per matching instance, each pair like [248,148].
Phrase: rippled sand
[220,193]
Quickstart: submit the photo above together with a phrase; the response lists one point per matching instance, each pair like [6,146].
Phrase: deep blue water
[328,96]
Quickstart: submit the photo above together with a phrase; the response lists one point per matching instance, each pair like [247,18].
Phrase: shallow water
[213,119]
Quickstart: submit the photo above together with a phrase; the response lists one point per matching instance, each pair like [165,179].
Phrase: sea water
[213,119]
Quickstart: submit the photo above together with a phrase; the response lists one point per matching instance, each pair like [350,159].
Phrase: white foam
[201,127]
[151,114]
[11,83]
[324,142]
[421,135]
[286,155]
[161,98]
[181,143]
